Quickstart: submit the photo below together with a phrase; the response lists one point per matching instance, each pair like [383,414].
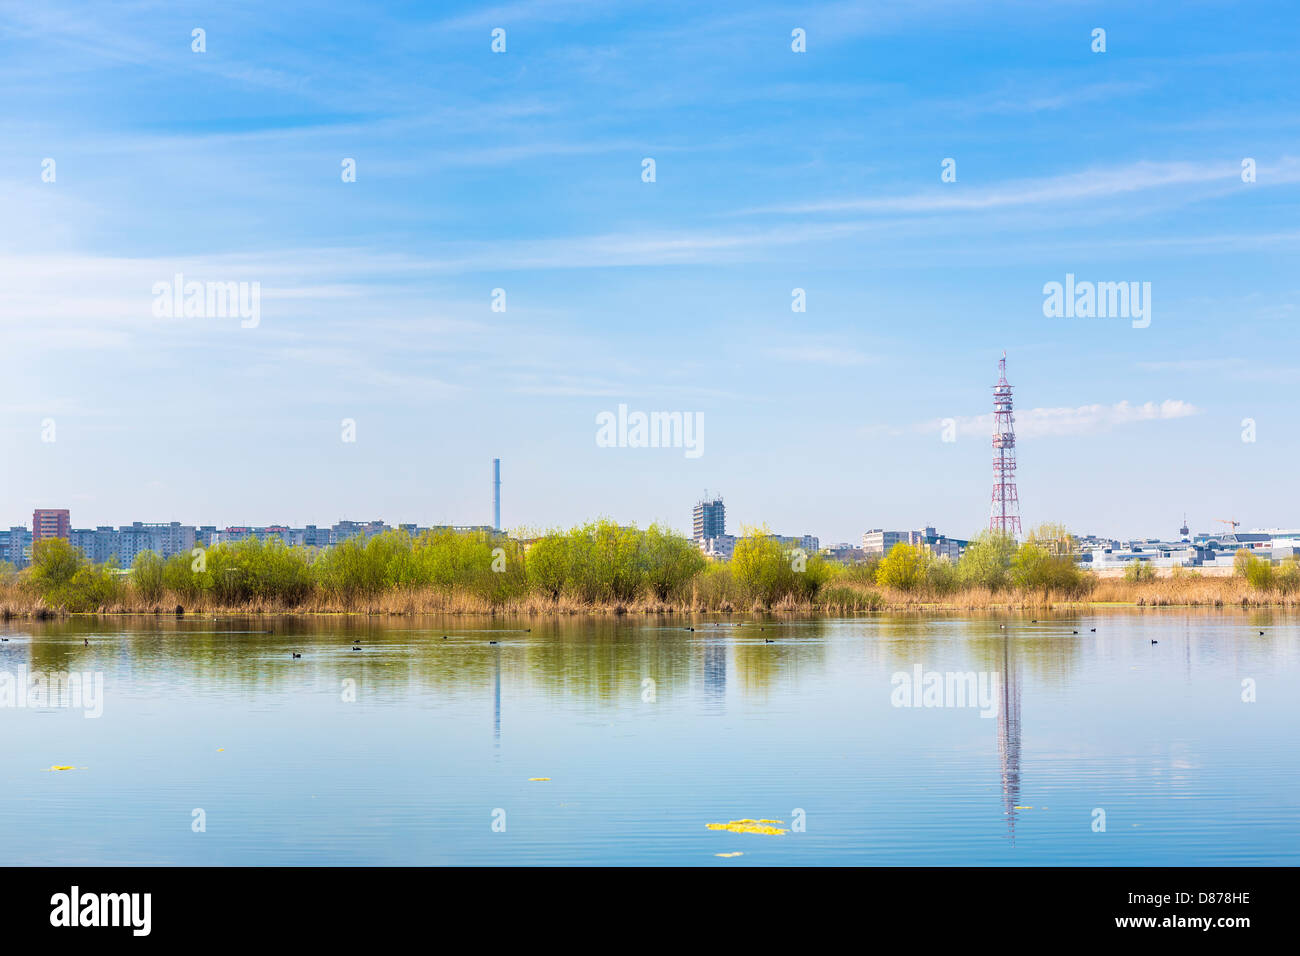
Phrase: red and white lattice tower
[1004,515]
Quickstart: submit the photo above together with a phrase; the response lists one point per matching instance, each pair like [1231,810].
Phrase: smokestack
[496,494]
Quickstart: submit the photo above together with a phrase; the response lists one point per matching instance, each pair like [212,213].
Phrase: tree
[669,561]
[760,566]
[54,564]
[547,564]
[987,561]
[903,568]
[942,576]
[1035,566]
[1053,538]
[1259,573]
[147,576]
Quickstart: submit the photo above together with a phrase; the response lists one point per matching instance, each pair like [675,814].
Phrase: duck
[1261,633]
[491,642]
[1154,641]
[767,640]
[85,641]
[1074,632]
[1094,630]
[356,648]
[295,654]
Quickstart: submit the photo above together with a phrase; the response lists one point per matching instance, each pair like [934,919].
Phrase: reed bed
[19,601]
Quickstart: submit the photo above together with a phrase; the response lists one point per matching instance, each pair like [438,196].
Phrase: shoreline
[684,614]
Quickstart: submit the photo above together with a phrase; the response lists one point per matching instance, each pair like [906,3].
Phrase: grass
[19,600]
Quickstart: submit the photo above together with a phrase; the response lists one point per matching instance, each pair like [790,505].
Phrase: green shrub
[547,564]
[942,577]
[1036,568]
[54,563]
[1139,571]
[180,578]
[904,568]
[1259,573]
[1286,576]
[670,562]
[147,575]
[987,561]
[762,568]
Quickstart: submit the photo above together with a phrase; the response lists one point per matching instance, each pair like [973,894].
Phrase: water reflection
[746,713]
[1009,734]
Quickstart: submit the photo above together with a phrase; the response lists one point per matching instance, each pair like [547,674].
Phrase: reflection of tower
[496,699]
[1005,512]
[1009,735]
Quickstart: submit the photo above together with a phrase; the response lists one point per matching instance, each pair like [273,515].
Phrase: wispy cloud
[819,354]
[1088,184]
[1052,422]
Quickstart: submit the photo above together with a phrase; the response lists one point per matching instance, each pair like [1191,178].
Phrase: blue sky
[775,170]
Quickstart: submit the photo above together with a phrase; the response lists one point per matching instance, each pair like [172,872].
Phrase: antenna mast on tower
[1004,515]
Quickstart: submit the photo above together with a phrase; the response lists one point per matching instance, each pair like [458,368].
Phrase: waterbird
[1094,630]
[295,655]
[767,640]
[85,641]
[1154,641]
[1074,632]
[1261,633]
[491,642]
[1034,621]
[356,648]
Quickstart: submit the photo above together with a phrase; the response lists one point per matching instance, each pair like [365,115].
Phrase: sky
[773,170]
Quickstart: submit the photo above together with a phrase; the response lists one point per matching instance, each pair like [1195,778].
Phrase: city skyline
[523,172]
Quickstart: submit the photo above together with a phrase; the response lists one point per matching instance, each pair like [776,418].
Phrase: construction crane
[1230,521]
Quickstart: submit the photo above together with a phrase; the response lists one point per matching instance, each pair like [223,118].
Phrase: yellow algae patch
[61,767]
[1023,808]
[775,823]
[537,779]
[746,826]
[728,856]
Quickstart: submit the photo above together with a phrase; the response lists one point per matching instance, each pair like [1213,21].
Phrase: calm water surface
[444,734]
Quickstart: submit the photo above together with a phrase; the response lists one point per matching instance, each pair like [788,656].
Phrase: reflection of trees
[759,665]
[585,658]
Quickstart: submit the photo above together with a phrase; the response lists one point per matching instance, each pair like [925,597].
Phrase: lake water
[649,731]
